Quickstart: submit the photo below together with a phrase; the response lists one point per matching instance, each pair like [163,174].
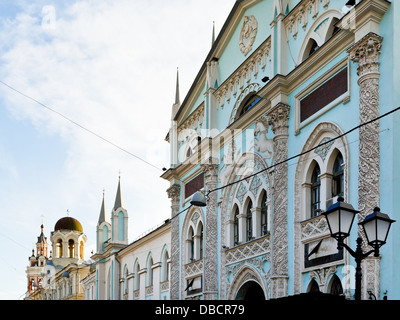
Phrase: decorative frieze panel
[248,250]
[164,286]
[194,120]
[243,74]
[194,268]
[313,228]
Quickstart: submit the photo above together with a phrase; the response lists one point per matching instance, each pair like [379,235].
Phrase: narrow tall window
[338,177]
[236,228]
[71,248]
[201,241]
[59,252]
[264,215]
[249,222]
[315,192]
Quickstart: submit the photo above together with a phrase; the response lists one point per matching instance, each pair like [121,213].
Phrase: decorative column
[174,195]
[210,272]
[366,53]
[278,118]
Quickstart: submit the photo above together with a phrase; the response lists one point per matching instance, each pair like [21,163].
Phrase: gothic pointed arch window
[190,245]
[236,227]
[200,237]
[335,286]
[136,283]
[264,215]
[313,286]
[249,221]
[338,176]
[315,191]
[150,271]
[164,266]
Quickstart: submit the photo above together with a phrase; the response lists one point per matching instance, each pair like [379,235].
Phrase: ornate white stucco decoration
[248,34]
[262,143]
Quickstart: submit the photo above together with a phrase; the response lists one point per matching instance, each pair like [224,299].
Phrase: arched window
[126,284]
[81,250]
[105,238]
[315,191]
[338,177]
[136,284]
[313,286]
[335,287]
[249,221]
[190,245]
[264,215]
[236,227]
[71,248]
[249,102]
[165,267]
[150,271]
[59,252]
[201,238]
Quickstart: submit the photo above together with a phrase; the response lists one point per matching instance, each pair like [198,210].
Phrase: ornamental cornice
[242,75]
[299,15]
[193,120]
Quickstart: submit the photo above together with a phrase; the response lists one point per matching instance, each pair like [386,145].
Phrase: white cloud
[111,67]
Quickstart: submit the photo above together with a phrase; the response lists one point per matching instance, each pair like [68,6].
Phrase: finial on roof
[177,100]
[213,34]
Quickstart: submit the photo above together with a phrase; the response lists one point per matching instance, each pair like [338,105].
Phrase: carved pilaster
[366,53]
[210,170]
[174,195]
[278,118]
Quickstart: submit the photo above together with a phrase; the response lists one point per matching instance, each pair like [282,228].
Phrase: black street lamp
[340,217]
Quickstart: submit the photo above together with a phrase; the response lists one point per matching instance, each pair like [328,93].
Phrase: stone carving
[244,252]
[255,185]
[317,227]
[248,34]
[243,74]
[242,190]
[174,195]
[366,53]
[314,228]
[299,15]
[262,144]
[278,118]
[323,150]
[322,276]
[248,250]
[210,170]
[194,268]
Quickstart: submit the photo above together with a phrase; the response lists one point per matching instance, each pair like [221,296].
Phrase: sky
[86,91]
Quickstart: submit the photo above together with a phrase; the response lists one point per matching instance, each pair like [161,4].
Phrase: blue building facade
[263,133]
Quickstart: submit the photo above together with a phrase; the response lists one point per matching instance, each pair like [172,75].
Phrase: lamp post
[340,217]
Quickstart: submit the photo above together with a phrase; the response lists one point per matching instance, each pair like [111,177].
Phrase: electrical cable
[295,156]
[79,125]
[307,151]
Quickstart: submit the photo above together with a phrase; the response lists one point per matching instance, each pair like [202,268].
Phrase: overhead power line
[79,125]
[293,157]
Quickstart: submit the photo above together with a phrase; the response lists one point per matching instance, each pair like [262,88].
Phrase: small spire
[118,198]
[177,100]
[213,34]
